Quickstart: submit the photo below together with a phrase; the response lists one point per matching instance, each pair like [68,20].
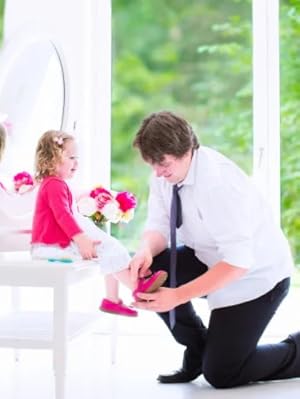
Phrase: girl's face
[68,166]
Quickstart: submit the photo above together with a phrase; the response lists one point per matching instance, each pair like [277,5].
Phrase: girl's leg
[111,288]
[124,277]
[112,257]
[112,303]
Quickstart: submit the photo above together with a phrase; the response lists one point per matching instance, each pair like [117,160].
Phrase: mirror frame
[12,48]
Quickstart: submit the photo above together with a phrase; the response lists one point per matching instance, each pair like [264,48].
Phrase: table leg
[60,315]
[15,303]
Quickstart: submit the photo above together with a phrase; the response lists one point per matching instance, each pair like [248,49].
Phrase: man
[233,253]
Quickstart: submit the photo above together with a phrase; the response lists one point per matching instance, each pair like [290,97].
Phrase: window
[193,58]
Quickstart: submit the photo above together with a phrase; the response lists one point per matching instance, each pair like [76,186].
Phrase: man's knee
[161,261]
[219,376]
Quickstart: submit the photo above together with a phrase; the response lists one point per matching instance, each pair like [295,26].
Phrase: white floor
[144,349]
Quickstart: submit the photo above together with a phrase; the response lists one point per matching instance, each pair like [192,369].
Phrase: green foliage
[192,58]
[290,122]
[2,5]
[195,58]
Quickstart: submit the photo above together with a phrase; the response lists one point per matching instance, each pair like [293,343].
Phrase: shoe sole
[175,380]
[178,378]
[118,314]
[157,283]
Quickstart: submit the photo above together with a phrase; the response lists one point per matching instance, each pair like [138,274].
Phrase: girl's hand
[162,300]
[86,246]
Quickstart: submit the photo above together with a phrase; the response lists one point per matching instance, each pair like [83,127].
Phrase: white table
[50,330]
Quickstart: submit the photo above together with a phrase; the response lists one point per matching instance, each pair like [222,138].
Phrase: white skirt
[112,255]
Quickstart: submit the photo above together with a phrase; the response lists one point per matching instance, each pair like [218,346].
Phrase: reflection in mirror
[32,95]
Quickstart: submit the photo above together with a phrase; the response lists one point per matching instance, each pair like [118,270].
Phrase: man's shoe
[179,376]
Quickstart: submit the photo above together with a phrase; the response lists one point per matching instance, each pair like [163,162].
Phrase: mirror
[32,95]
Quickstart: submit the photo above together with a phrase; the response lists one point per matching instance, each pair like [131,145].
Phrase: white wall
[81,31]
[266,100]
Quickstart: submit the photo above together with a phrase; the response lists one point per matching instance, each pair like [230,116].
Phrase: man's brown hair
[164,133]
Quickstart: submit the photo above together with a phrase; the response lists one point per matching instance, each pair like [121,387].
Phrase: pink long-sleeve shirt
[53,220]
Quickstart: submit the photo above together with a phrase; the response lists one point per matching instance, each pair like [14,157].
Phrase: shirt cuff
[238,255]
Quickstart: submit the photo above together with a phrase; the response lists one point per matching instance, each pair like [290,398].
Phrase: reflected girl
[15,209]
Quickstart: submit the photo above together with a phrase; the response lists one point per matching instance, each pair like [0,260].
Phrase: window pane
[193,58]
[290,121]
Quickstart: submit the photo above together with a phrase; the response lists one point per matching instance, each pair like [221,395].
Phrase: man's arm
[214,279]
[152,243]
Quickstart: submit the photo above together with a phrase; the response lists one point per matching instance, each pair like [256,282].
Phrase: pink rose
[98,190]
[22,178]
[103,199]
[126,200]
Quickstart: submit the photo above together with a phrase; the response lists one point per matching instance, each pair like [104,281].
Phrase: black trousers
[227,350]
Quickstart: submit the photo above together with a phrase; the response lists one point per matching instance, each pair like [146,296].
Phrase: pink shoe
[117,308]
[150,284]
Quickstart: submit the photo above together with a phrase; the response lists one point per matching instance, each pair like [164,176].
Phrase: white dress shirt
[225,218]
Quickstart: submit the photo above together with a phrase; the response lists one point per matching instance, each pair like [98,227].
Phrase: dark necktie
[175,222]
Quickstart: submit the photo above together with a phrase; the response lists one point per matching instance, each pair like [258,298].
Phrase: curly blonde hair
[49,152]
[2,140]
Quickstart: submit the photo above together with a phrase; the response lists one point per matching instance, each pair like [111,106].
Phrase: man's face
[173,169]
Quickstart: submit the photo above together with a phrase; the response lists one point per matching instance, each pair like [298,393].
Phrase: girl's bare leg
[125,278]
[112,288]
[112,302]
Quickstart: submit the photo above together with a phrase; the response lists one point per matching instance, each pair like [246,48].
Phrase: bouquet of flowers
[102,205]
[23,182]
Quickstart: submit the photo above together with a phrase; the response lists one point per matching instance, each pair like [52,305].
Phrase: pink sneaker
[150,284]
[117,308]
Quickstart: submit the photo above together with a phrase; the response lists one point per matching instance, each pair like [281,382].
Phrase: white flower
[87,206]
[112,211]
[127,216]
[24,188]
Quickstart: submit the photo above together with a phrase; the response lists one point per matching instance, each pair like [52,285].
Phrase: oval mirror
[32,95]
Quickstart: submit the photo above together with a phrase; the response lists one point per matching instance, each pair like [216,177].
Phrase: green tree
[193,58]
[290,121]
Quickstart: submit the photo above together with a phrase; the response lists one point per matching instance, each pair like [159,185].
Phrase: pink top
[53,220]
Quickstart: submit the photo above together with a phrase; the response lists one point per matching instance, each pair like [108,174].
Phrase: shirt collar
[190,177]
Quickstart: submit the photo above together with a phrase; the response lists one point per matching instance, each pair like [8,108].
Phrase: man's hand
[162,300]
[140,264]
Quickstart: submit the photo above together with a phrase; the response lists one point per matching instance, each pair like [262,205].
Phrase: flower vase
[105,227]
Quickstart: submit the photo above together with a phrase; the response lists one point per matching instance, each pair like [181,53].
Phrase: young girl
[15,209]
[60,232]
